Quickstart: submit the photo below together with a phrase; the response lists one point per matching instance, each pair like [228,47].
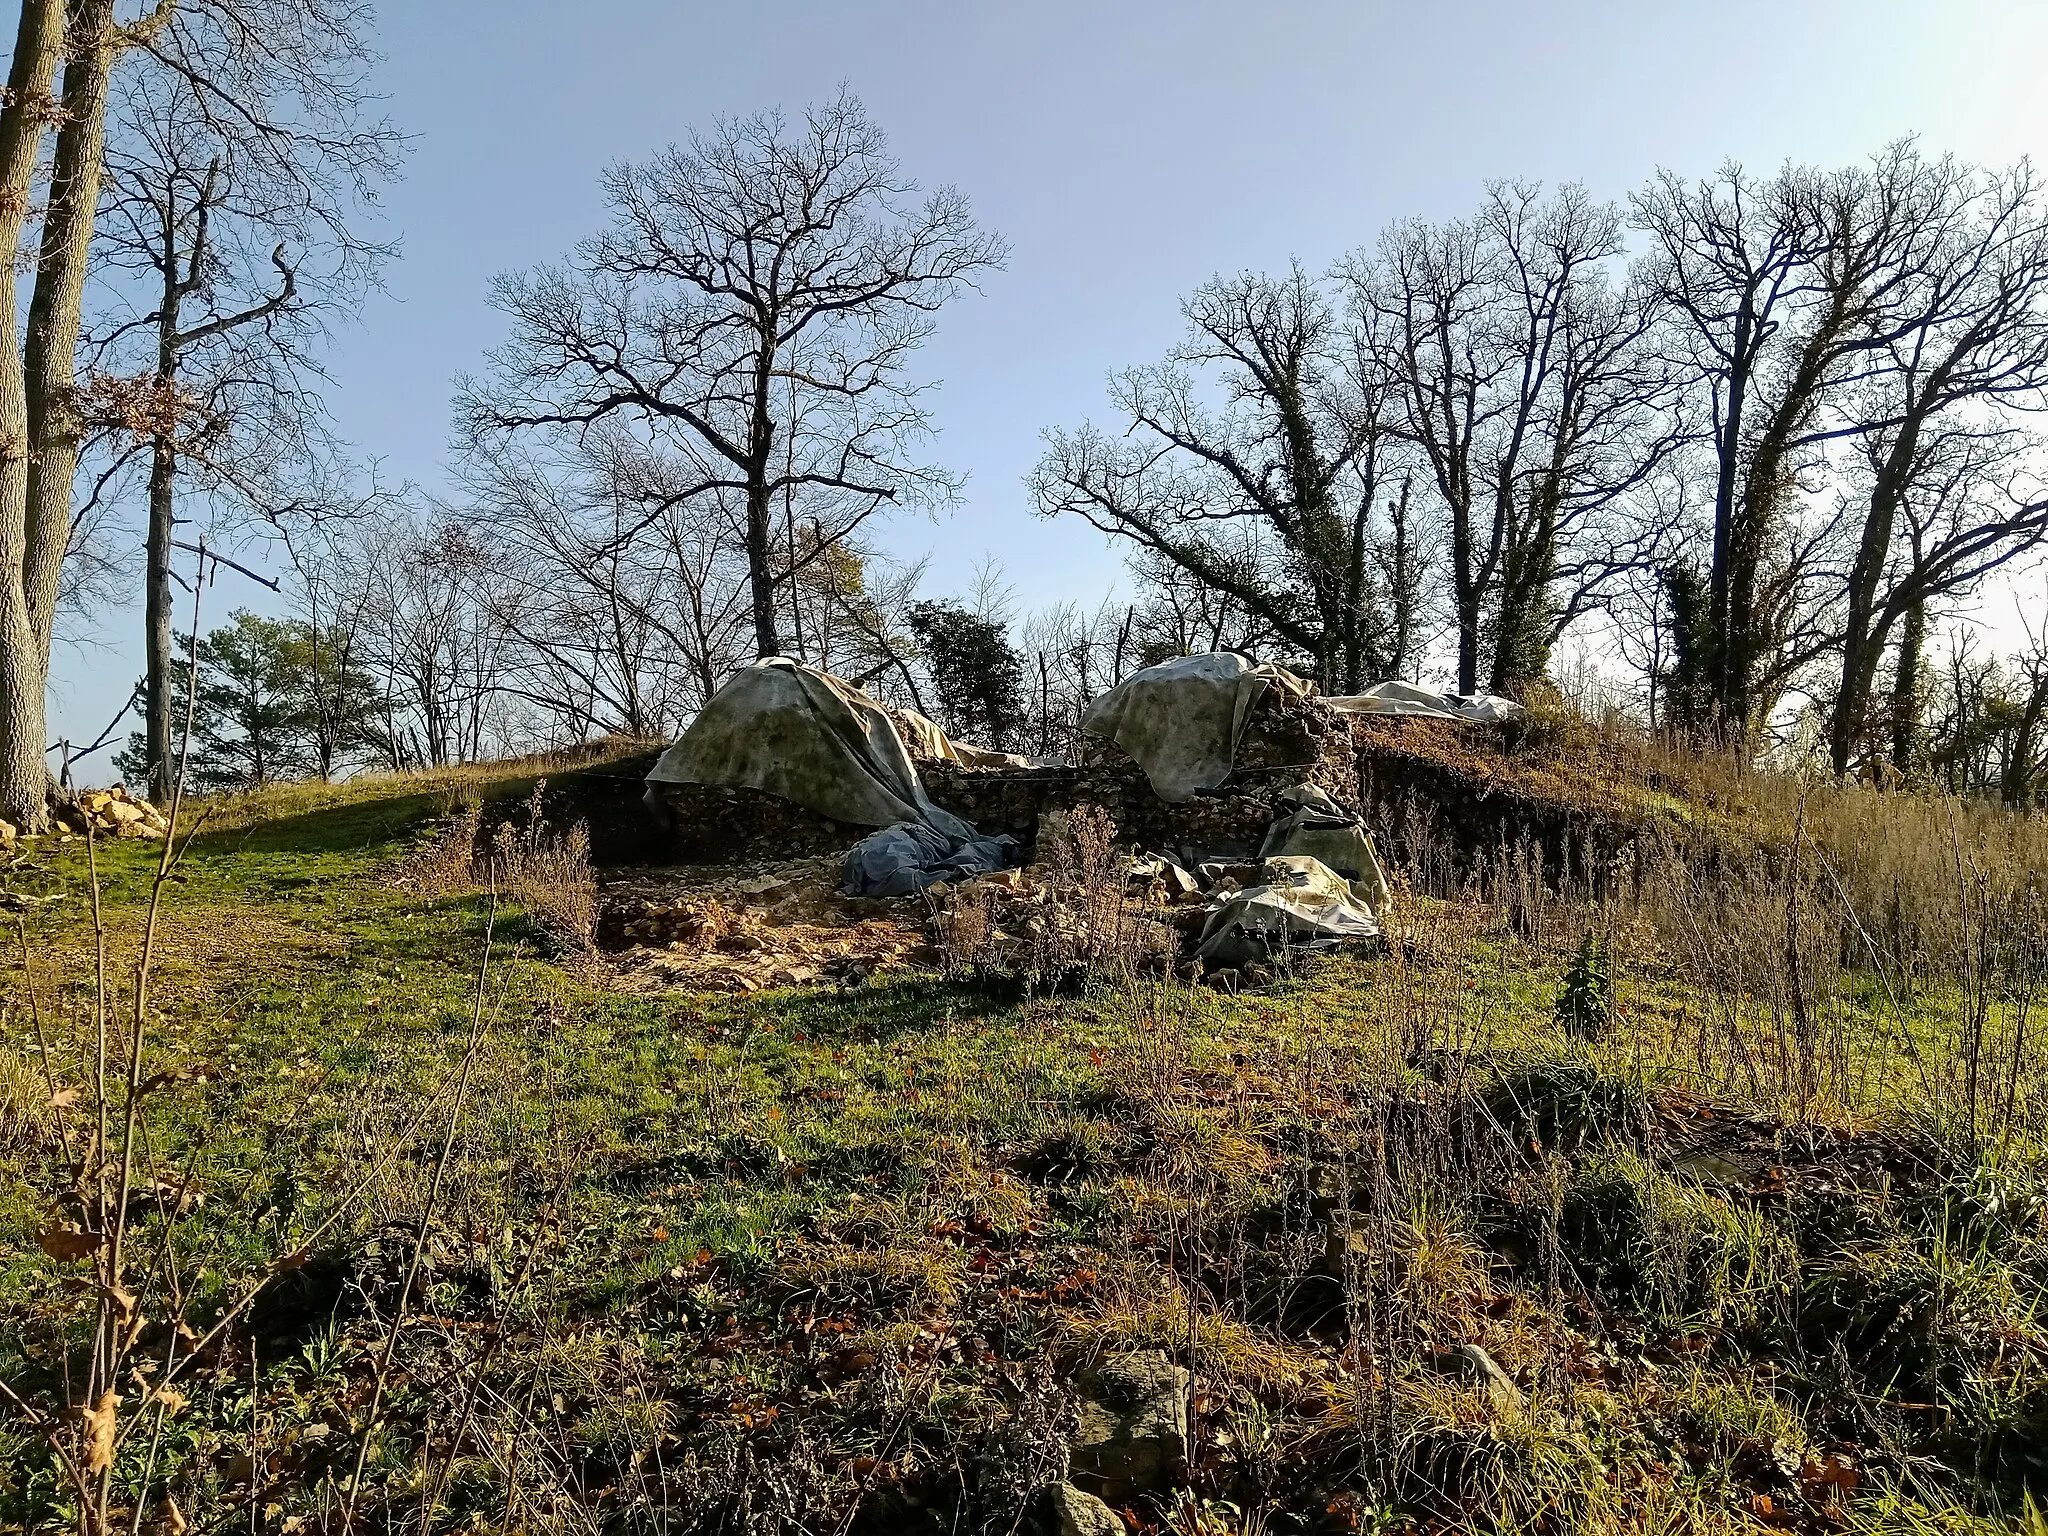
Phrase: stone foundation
[999,799]
[724,824]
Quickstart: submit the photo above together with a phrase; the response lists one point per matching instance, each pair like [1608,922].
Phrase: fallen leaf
[64,1098]
[99,1433]
[172,1518]
[70,1242]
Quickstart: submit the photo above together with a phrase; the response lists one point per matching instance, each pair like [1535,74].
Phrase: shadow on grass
[351,827]
[879,1011]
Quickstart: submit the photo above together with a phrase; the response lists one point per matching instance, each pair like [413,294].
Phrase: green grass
[857,1240]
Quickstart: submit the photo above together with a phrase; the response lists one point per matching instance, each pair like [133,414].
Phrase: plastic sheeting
[1310,824]
[811,738]
[1299,902]
[1399,698]
[908,857]
[1181,720]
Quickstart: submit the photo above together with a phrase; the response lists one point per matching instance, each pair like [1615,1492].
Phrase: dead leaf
[69,1242]
[172,1518]
[99,1433]
[64,1098]
[122,1301]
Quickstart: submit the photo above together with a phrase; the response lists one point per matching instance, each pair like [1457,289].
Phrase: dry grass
[811,1260]
[545,870]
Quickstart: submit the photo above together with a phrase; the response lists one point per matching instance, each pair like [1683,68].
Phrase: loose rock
[1070,1512]
[1475,1367]
[1134,1425]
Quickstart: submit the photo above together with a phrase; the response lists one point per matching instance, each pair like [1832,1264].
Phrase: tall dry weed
[545,870]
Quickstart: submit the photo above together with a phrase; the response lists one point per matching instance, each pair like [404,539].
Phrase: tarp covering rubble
[809,737]
[820,742]
[1181,720]
[1298,902]
[1316,885]
[1310,824]
[1399,698]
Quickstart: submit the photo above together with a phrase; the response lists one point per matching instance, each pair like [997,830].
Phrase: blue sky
[1128,150]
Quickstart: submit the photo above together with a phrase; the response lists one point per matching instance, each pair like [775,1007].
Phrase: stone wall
[727,824]
[1286,741]
[1433,793]
[999,799]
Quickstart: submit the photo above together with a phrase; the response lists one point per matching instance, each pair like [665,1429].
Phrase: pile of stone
[1049,926]
[744,929]
[729,823]
[112,812]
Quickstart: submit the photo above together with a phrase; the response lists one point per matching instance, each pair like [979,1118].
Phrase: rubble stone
[1475,1367]
[745,928]
[732,824]
[111,812]
[1134,1425]
[1070,1512]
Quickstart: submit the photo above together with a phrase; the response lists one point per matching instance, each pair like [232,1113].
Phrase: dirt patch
[747,927]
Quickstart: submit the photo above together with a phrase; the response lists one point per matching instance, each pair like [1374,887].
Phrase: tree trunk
[2017,772]
[1862,636]
[1401,585]
[55,424]
[156,587]
[1521,647]
[760,513]
[1467,597]
[50,357]
[1906,691]
[1721,688]
[158,693]
[761,572]
[23,668]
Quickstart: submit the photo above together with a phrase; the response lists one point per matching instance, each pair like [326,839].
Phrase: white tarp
[1307,822]
[1181,720]
[1399,698]
[1299,901]
[811,738]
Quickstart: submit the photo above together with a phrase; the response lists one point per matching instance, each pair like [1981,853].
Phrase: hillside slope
[1666,1202]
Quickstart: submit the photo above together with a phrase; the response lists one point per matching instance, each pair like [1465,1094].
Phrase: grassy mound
[431,1224]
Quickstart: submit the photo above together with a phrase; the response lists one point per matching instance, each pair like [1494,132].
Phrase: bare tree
[752,310]
[1179,614]
[241,166]
[1518,371]
[623,621]
[1071,654]
[1778,292]
[404,587]
[1941,494]
[1296,451]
